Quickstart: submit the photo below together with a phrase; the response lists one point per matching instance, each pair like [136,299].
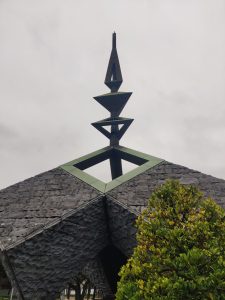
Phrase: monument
[64,221]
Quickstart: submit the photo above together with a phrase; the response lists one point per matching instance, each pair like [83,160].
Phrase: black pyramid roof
[54,225]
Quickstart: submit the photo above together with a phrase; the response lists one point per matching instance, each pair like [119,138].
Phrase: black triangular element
[114,102]
[102,130]
[113,78]
[124,128]
[125,122]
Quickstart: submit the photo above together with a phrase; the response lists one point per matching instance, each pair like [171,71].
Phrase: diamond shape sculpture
[65,221]
[113,78]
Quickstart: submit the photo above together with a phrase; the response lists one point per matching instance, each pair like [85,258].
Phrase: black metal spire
[113,78]
[114,102]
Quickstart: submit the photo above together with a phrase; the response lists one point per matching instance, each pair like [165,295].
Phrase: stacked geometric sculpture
[114,102]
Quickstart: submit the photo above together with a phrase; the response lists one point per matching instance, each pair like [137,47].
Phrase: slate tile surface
[31,204]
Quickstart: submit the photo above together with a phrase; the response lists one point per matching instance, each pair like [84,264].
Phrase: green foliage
[180,248]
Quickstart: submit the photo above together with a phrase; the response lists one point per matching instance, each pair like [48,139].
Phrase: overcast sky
[53,59]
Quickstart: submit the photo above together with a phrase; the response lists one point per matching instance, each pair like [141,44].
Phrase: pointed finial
[113,78]
[114,40]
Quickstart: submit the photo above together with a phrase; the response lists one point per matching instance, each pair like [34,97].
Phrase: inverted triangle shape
[109,122]
[114,102]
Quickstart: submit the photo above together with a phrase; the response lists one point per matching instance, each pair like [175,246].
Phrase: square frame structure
[143,161]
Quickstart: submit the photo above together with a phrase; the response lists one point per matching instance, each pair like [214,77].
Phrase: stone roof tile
[136,192]
[29,205]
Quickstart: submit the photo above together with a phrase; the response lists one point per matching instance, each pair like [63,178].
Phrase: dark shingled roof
[136,192]
[30,205]
[54,225]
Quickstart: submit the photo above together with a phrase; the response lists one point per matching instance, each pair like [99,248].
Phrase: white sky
[53,59]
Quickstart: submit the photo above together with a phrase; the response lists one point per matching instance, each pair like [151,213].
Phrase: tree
[180,251]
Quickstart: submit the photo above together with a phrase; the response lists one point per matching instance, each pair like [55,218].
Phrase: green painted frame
[76,167]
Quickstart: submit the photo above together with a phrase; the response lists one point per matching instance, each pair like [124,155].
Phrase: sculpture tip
[114,40]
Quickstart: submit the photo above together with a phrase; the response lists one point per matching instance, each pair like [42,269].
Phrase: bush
[180,251]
